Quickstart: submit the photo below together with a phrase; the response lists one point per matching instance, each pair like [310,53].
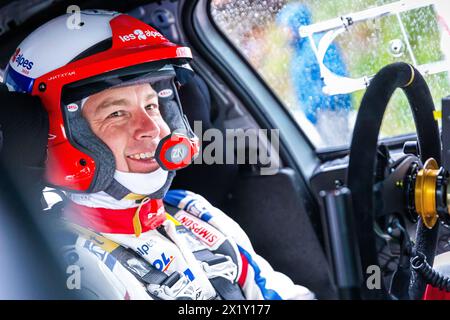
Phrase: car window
[319,55]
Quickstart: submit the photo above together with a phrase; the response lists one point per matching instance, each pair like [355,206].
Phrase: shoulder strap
[159,285]
[220,269]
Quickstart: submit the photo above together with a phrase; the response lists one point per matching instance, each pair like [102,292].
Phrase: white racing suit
[197,252]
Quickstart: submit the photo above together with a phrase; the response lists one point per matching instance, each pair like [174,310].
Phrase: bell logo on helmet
[21,61]
[72,107]
[166,93]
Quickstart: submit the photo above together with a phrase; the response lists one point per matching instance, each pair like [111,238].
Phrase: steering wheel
[363,152]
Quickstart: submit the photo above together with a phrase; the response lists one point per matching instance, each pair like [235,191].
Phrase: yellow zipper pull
[136,219]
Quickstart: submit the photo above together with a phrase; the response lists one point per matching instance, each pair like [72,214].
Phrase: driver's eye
[116,114]
[152,106]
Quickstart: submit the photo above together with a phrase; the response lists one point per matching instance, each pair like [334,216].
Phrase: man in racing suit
[117,134]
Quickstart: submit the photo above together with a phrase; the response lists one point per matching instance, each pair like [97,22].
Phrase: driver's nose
[144,126]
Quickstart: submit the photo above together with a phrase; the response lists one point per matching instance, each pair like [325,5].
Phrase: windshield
[318,56]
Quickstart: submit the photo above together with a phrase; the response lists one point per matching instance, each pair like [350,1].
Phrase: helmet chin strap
[142,183]
[126,189]
[153,185]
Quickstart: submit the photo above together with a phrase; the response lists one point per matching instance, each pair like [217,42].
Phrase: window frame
[322,153]
[206,37]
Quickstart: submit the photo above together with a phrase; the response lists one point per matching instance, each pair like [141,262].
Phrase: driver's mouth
[142,156]
[142,162]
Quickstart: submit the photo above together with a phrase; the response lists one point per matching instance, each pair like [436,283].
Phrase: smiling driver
[117,135]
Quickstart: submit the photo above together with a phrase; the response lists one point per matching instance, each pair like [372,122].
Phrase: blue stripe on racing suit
[268,294]
[174,197]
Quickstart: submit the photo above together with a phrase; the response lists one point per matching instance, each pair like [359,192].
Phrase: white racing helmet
[64,66]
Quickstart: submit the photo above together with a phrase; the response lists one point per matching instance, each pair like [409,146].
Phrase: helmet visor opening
[151,72]
[127,92]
